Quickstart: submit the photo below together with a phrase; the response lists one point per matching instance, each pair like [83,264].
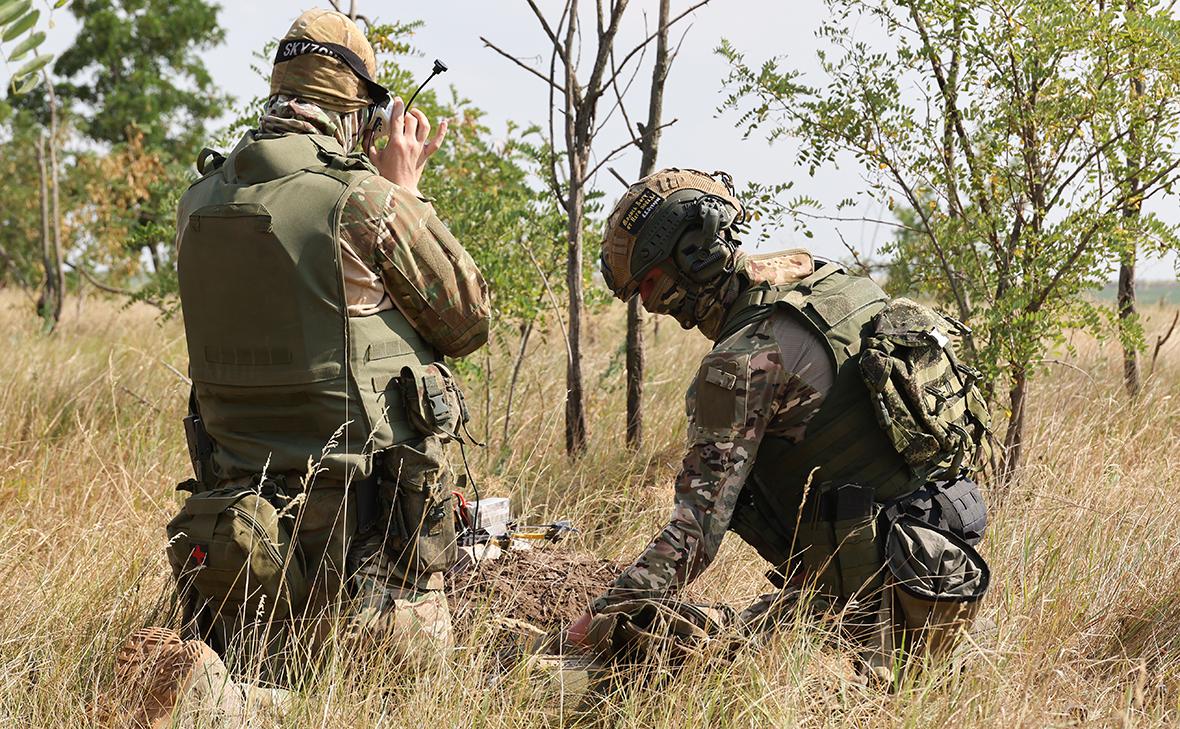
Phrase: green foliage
[137,64]
[20,211]
[16,19]
[990,131]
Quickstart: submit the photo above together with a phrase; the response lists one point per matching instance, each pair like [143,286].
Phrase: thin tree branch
[633,142]
[522,64]
[548,29]
[653,36]
[618,177]
[1161,341]
[842,219]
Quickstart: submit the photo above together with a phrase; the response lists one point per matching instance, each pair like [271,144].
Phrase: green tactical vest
[844,440]
[282,373]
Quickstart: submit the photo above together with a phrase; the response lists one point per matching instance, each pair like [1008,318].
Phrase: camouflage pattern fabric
[393,613]
[289,114]
[746,389]
[328,82]
[395,246]
[431,278]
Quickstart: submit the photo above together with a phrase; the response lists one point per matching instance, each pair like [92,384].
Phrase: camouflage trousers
[377,596]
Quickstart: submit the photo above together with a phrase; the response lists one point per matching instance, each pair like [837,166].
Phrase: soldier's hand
[404,158]
[576,635]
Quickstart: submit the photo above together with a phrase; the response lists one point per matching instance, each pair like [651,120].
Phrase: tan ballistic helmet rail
[321,78]
[622,269]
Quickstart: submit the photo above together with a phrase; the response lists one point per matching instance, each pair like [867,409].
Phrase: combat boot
[159,677]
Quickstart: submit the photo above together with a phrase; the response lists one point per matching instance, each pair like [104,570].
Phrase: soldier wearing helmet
[785,445]
[320,293]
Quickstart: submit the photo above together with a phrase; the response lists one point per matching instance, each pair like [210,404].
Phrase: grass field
[1085,549]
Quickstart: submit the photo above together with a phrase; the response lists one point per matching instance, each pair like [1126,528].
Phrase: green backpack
[236,551]
[924,398]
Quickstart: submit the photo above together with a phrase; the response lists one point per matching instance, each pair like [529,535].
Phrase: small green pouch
[234,549]
[416,491]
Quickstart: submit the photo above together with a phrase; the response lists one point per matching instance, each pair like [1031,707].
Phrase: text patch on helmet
[640,211]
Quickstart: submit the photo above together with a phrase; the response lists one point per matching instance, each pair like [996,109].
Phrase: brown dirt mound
[546,587]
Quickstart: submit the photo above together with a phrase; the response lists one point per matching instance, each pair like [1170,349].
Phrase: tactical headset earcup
[701,257]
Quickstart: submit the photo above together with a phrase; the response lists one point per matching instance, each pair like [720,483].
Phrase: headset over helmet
[682,216]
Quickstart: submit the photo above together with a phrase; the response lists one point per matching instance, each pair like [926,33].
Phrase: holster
[200,445]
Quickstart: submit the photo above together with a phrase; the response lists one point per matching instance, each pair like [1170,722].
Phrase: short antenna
[439,67]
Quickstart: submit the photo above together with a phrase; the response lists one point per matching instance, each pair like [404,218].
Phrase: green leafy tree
[994,123]
[136,64]
[136,83]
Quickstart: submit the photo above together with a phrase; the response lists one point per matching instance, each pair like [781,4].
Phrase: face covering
[703,306]
[287,114]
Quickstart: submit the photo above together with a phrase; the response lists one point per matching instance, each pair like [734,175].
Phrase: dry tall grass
[1085,551]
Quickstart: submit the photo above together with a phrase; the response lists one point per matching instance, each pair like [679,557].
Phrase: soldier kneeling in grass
[830,427]
[320,292]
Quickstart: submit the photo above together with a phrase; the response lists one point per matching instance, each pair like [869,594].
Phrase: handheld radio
[378,125]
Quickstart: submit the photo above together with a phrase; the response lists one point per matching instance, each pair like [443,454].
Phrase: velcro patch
[640,211]
[720,378]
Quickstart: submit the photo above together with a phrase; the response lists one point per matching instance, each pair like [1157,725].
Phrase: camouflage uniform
[822,409]
[786,372]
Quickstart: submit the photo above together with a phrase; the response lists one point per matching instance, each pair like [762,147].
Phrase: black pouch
[416,492]
[200,445]
[955,505]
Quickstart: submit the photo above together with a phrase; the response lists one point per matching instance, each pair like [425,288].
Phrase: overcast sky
[701,139]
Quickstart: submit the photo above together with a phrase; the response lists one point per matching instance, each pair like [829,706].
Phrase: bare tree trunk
[650,144]
[58,272]
[575,406]
[487,392]
[49,303]
[634,373]
[526,331]
[1126,305]
[1014,437]
[1126,296]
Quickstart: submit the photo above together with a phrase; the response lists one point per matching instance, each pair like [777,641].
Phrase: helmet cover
[647,223]
[315,72]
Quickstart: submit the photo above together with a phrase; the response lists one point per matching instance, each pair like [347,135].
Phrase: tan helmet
[326,59]
[647,224]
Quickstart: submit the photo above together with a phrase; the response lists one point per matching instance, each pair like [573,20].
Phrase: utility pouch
[433,400]
[234,549]
[937,582]
[416,492]
[955,505]
[840,542]
[924,399]
[858,544]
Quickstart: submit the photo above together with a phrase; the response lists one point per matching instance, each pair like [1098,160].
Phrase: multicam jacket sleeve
[741,394]
[431,278]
